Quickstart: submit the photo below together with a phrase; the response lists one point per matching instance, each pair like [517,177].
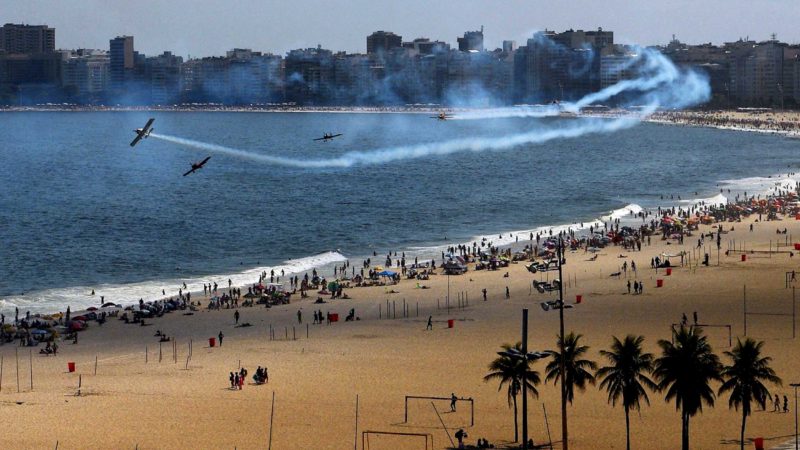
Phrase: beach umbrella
[91,308]
[38,331]
[250,295]
[387,273]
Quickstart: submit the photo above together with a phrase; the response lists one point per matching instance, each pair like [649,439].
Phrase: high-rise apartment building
[27,39]
[383,41]
[122,60]
[472,40]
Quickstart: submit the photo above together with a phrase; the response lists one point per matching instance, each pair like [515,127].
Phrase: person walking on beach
[453,400]
[785,404]
[629,286]
[236,319]
[776,404]
[232,380]
[220,336]
[299,317]
[484,294]
[508,293]
[430,324]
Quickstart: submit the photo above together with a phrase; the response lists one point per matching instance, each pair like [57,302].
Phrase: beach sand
[315,380]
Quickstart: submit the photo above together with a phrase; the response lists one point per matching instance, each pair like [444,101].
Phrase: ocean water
[80,209]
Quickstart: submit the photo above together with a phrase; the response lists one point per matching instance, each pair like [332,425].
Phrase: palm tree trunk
[685,432]
[516,427]
[627,429]
[744,420]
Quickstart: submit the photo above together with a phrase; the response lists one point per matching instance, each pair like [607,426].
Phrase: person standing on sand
[236,320]
[785,404]
[776,404]
[453,400]
[220,336]
[232,380]
[430,324]
[484,294]
[508,293]
[629,286]
[299,317]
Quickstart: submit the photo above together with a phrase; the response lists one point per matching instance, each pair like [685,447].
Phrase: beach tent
[387,273]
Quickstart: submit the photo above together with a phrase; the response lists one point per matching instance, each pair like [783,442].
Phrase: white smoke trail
[661,85]
[576,129]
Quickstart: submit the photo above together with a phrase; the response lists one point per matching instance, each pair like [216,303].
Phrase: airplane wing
[136,139]
[320,139]
[190,171]
[148,124]
[202,163]
[336,135]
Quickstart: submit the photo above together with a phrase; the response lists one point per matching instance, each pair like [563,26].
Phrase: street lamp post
[562,369]
[795,386]
[525,356]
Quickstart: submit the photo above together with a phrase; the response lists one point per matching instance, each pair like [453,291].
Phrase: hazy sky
[210,27]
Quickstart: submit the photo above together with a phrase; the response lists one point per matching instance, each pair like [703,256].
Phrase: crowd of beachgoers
[761,120]
[539,251]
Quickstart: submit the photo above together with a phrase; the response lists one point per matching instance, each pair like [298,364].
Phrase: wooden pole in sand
[95,364]
[744,309]
[159,352]
[306,331]
[794,315]
[355,434]
[443,425]
[16,355]
[30,360]
[1,374]
[145,354]
[547,425]
[271,415]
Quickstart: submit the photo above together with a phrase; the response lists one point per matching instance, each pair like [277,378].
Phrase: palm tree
[626,377]
[685,371]
[745,376]
[575,369]
[512,371]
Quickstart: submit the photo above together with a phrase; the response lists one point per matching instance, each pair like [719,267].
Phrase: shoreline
[332,365]
[506,239]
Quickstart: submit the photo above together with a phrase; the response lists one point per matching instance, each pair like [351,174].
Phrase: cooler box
[334,317]
[212,342]
[578,298]
[797,246]
[744,257]
[71,367]
[659,283]
[451,323]
[669,271]
[759,443]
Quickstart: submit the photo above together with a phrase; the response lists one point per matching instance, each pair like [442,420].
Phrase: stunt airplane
[327,137]
[196,166]
[442,116]
[143,132]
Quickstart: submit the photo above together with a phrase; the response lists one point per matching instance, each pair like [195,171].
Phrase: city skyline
[341,26]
